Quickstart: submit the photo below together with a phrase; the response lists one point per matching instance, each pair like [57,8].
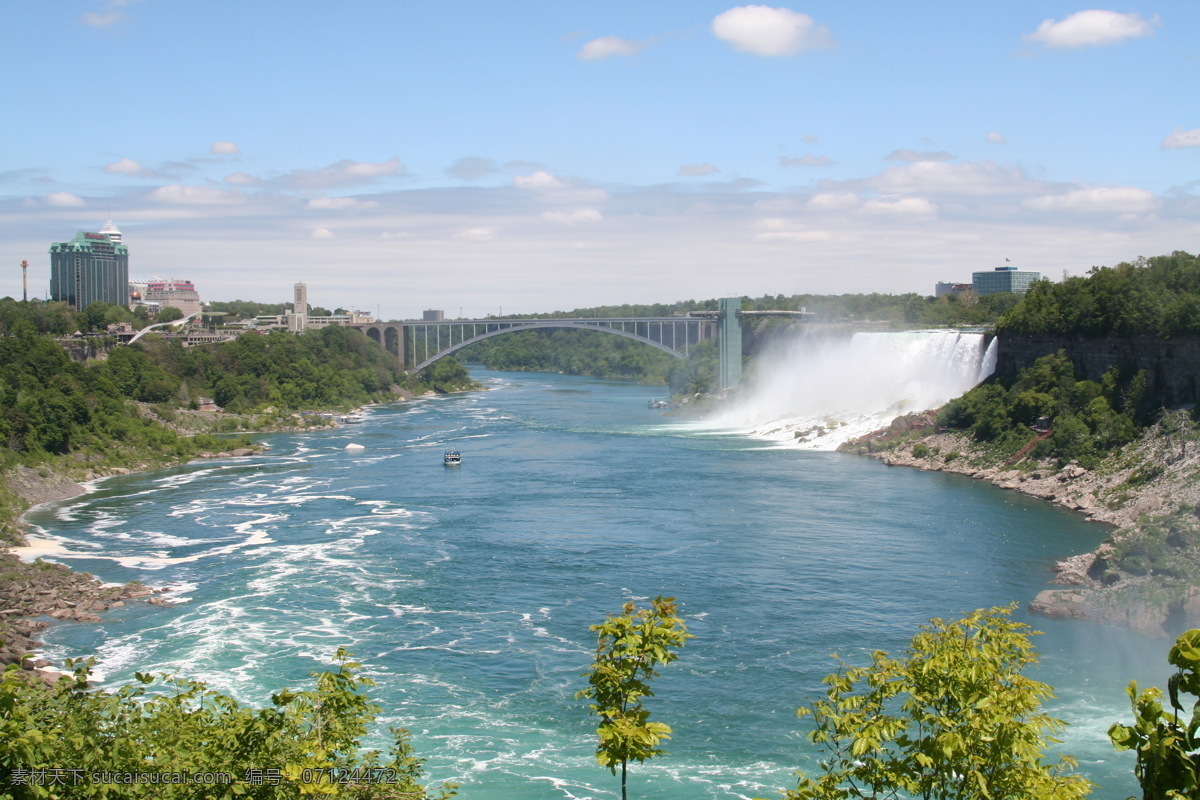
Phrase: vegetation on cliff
[1158,296]
[128,410]
[51,406]
[1081,420]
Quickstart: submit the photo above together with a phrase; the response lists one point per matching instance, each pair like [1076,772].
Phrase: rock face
[1172,365]
[38,590]
[39,486]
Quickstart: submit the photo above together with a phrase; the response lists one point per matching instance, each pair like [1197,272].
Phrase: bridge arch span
[544,325]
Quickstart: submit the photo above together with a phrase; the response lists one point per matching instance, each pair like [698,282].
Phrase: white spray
[816,392]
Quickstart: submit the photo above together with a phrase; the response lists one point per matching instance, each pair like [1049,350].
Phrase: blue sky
[532,156]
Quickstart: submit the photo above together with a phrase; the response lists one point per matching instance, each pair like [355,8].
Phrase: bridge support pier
[729,342]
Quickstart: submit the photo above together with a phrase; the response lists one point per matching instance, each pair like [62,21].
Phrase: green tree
[954,718]
[168,314]
[54,739]
[629,649]
[1168,747]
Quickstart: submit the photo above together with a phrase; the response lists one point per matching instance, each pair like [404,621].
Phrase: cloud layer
[1092,28]
[768,32]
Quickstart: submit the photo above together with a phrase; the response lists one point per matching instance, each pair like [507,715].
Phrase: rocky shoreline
[31,592]
[1140,489]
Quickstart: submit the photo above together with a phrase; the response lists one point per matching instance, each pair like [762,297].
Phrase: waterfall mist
[816,391]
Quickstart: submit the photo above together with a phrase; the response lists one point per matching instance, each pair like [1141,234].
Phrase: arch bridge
[417,344]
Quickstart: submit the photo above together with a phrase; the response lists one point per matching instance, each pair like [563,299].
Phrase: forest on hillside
[52,406]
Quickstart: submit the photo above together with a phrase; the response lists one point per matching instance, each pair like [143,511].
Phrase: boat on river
[452,458]
[659,404]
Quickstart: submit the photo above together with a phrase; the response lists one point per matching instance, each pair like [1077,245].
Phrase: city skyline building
[1003,279]
[92,267]
[173,292]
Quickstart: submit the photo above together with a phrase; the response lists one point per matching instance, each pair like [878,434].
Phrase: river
[467,592]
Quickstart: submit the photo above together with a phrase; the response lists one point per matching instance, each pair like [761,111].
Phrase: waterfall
[816,392]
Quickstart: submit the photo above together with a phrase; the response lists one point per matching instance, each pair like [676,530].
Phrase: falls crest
[816,392]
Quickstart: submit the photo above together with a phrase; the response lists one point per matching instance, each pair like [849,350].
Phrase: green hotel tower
[91,267]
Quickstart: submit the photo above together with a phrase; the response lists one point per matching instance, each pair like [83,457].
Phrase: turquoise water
[468,592]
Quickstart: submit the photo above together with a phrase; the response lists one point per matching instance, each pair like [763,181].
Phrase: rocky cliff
[1172,366]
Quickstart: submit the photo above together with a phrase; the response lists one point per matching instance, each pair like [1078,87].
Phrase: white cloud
[1118,200]
[538,180]
[608,47]
[928,177]
[767,31]
[775,230]
[582,215]
[346,172]
[791,237]
[65,200]
[1092,28]
[338,203]
[196,195]
[1180,138]
[242,179]
[833,201]
[476,235]
[224,149]
[322,233]
[995,138]
[805,161]
[901,206]
[124,166]
[696,170]
[811,138]
[915,155]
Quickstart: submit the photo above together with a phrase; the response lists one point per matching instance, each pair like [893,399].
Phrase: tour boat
[452,458]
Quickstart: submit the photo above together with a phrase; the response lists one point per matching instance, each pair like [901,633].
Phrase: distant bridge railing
[420,343]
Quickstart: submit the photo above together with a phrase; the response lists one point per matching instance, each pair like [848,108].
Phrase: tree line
[51,406]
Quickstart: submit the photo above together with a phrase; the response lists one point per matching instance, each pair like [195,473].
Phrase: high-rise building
[174,293]
[91,267]
[1003,279]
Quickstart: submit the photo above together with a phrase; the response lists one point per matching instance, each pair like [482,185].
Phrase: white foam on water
[184,478]
[816,392]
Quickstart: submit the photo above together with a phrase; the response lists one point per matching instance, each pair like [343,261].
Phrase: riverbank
[1145,575]
[34,591]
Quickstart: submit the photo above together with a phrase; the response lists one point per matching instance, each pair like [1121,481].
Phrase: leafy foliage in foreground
[954,718]
[62,742]
[1167,747]
[629,649]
